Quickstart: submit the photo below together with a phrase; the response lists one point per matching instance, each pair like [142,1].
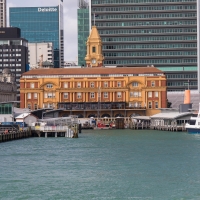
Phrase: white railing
[50,128]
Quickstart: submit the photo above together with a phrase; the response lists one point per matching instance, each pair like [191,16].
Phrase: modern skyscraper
[198,43]
[2,13]
[83,30]
[13,52]
[41,24]
[39,52]
[150,32]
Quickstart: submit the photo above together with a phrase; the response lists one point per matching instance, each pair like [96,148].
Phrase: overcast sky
[70,21]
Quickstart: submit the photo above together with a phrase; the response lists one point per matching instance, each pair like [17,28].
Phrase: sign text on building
[47,9]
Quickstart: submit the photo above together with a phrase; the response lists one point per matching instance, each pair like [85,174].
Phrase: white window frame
[65,95]
[50,95]
[105,95]
[28,95]
[79,95]
[156,104]
[119,84]
[32,85]
[135,94]
[149,104]
[152,83]
[65,85]
[156,94]
[119,94]
[35,95]
[135,84]
[78,84]
[92,84]
[105,84]
[92,95]
[149,94]
[49,85]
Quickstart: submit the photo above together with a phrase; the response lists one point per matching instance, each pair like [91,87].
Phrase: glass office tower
[160,33]
[83,30]
[41,24]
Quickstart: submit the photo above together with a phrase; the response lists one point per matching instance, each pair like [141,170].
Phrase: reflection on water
[102,164]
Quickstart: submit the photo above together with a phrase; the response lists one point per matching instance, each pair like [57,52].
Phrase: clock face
[93,61]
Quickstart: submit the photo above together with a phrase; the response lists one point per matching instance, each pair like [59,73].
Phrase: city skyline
[70,20]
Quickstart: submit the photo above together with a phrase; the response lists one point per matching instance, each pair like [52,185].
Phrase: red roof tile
[93,71]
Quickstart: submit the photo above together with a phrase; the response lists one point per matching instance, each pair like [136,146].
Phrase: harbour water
[102,164]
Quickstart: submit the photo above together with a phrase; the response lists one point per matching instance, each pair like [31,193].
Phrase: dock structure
[57,127]
[140,122]
[170,120]
[14,135]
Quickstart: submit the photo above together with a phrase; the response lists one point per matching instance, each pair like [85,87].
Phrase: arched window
[119,115]
[91,115]
[105,115]
[135,84]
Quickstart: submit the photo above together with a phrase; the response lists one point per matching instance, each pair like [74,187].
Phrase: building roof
[141,117]
[177,98]
[56,110]
[94,34]
[21,110]
[170,115]
[24,115]
[93,71]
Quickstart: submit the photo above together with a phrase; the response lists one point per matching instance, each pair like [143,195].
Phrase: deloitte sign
[47,9]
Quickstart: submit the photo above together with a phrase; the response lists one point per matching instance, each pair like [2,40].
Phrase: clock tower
[94,57]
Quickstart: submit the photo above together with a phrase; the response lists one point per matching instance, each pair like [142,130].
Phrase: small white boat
[193,127]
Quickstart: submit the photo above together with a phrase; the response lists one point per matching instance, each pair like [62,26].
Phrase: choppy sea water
[102,164]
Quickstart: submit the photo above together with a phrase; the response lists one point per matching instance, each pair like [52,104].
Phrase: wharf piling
[14,135]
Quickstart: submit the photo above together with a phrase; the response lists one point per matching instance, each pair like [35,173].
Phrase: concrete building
[8,88]
[150,32]
[42,24]
[3,13]
[83,30]
[13,53]
[39,52]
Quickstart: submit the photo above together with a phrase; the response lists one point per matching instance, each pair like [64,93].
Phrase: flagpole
[94,19]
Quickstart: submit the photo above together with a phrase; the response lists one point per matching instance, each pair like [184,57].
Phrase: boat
[101,126]
[193,127]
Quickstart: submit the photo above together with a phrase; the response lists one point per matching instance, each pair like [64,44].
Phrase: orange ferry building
[86,91]
[95,90]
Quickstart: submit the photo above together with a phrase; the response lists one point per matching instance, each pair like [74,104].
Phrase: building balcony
[97,106]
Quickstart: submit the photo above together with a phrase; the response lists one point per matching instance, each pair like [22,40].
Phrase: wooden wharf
[15,135]
[57,127]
